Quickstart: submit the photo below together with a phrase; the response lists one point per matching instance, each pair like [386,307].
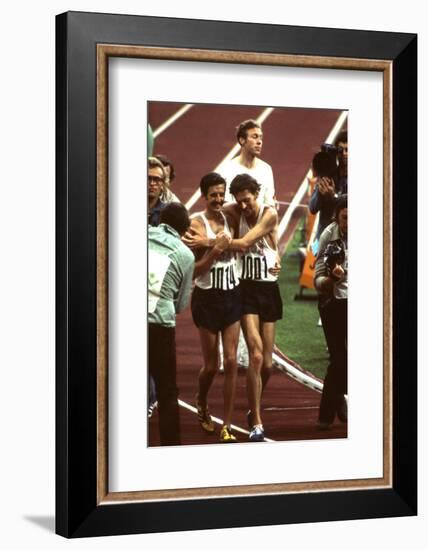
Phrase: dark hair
[212,178]
[175,214]
[342,202]
[324,165]
[166,162]
[244,182]
[342,137]
[241,130]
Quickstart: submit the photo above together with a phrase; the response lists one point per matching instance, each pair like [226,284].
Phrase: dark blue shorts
[215,309]
[262,298]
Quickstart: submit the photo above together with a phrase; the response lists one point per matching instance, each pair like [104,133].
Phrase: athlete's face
[342,220]
[215,197]
[247,203]
[155,182]
[253,143]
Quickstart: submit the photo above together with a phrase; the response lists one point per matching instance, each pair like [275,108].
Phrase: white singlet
[223,274]
[261,172]
[258,259]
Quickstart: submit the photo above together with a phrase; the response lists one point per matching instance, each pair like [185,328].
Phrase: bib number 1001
[223,278]
[254,268]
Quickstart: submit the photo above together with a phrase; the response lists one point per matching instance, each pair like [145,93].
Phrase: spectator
[156,178]
[170,270]
[169,167]
[331,282]
[168,195]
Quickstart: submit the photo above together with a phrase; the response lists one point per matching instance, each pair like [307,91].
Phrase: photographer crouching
[331,282]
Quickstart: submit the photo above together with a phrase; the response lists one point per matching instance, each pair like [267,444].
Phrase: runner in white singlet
[261,299]
[223,274]
[216,302]
[259,258]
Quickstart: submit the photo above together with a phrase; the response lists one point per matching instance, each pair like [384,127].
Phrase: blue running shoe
[257,433]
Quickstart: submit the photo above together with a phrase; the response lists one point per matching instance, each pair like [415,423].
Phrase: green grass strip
[298,334]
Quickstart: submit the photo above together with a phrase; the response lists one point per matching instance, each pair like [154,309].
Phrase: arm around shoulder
[267,224]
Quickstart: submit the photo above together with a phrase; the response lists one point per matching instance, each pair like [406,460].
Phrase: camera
[334,254]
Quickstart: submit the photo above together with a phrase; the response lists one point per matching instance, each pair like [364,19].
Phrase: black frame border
[77,512]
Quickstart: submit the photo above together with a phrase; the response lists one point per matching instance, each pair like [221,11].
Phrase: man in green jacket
[170,271]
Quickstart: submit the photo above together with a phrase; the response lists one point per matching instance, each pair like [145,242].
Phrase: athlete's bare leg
[230,337]
[268,338]
[251,328]
[209,346]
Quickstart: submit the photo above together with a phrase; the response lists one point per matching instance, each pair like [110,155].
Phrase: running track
[196,143]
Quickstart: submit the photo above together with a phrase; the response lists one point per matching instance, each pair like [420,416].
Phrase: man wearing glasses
[156,177]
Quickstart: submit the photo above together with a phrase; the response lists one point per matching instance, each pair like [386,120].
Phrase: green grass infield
[298,334]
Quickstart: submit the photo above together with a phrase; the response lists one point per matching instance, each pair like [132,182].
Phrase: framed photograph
[134,90]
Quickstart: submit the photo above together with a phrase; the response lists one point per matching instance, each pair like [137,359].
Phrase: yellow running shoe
[204,417]
[226,435]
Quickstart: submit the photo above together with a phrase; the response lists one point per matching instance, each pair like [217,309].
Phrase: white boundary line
[298,375]
[193,199]
[283,224]
[172,119]
[287,203]
[219,420]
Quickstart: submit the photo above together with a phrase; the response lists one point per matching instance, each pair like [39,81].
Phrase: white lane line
[193,199]
[287,203]
[172,119]
[283,224]
[218,420]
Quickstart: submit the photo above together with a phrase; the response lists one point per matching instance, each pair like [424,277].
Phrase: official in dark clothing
[331,282]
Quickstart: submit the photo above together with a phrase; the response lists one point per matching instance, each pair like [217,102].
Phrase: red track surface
[196,143]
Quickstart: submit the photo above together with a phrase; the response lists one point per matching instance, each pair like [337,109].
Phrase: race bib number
[254,268]
[223,278]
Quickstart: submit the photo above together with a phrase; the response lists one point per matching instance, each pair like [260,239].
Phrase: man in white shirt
[250,137]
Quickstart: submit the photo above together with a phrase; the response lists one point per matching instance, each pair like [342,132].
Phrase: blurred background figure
[168,195]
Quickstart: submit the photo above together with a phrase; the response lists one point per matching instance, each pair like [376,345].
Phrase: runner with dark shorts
[261,300]
[216,302]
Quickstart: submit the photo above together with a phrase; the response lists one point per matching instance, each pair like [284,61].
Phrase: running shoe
[257,433]
[204,418]
[226,435]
